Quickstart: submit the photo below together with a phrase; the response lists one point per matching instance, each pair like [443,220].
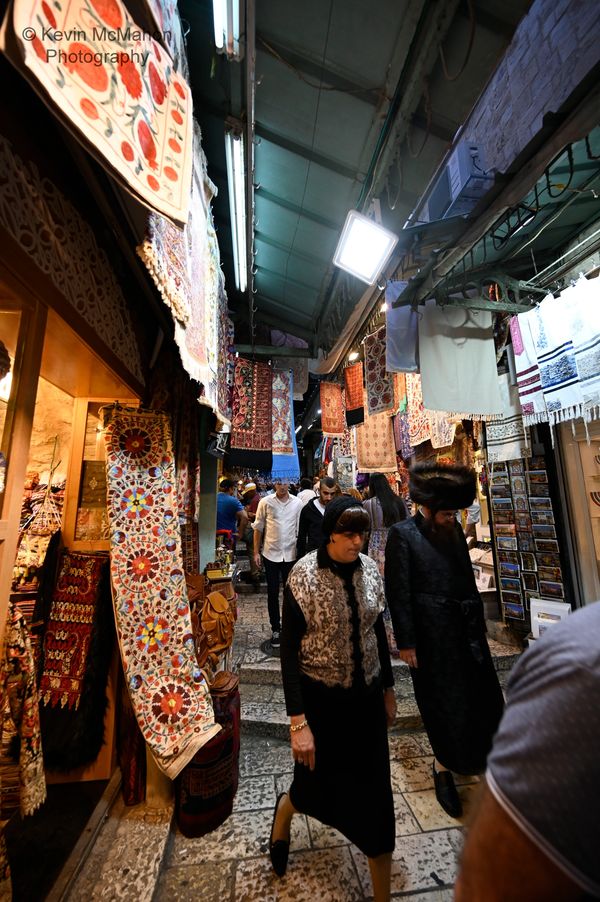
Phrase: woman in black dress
[338,685]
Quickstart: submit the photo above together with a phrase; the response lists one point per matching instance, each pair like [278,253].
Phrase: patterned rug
[119,94]
[418,423]
[286,465]
[251,437]
[529,383]
[298,365]
[506,439]
[375,449]
[353,383]
[379,383]
[333,421]
[168,691]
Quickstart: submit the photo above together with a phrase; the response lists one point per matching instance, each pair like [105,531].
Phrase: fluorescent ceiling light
[234,152]
[364,247]
[228,23]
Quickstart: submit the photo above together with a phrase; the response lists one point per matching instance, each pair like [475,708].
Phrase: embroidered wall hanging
[115,88]
[251,442]
[401,429]
[353,383]
[379,383]
[285,465]
[332,410]
[375,449]
[418,424]
[298,365]
[167,688]
[529,383]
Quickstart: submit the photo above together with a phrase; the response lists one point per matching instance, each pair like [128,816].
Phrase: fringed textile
[168,690]
[584,300]
[375,448]
[286,465]
[458,362]
[251,442]
[507,439]
[333,421]
[401,426]
[441,429]
[529,383]
[120,96]
[378,382]
[418,423]
[552,329]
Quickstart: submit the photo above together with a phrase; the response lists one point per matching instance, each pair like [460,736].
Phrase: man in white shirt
[306,493]
[276,523]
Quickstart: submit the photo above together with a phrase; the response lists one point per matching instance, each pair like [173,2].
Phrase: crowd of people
[346,562]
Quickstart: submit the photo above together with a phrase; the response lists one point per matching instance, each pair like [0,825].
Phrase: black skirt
[350,787]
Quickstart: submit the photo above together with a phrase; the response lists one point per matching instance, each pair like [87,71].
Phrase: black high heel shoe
[279,849]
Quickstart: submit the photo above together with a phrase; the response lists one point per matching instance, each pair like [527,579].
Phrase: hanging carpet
[401,338]
[251,442]
[333,421]
[298,365]
[375,449]
[529,383]
[285,466]
[506,438]
[76,655]
[419,427]
[354,394]
[378,382]
[115,88]
[458,362]
[167,688]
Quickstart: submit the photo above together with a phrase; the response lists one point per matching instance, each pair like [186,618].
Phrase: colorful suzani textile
[506,438]
[378,382]
[454,344]
[168,691]
[333,421]
[285,452]
[529,383]
[375,450]
[115,88]
[551,328]
[251,443]
[418,422]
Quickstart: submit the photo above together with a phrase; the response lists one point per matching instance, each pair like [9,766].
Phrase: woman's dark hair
[392,506]
[306,483]
[344,514]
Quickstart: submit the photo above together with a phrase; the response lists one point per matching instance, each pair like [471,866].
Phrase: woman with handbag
[338,685]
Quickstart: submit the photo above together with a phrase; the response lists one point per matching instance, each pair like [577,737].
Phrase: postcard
[546,517]
[528,561]
[507,543]
[526,542]
[506,529]
[510,569]
[514,611]
[502,504]
[523,521]
[504,516]
[540,504]
[521,503]
[508,557]
[538,476]
[518,484]
[546,545]
[548,558]
[550,573]
[529,581]
[539,489]
[537,462]
[554,589]
[509,584]
[543,531]
[512,598]
[516,467]
[500,490]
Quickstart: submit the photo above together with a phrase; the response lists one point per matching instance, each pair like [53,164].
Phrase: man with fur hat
[440,628]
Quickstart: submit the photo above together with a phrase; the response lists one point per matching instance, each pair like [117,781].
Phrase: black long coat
[436,609]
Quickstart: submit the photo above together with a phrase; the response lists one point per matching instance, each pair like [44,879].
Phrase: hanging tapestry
[353,384]
[252,414]
[168,691]
[458,362]
[115,88]
[67,635]
[441,429]
[226,364]
[582,299]
[332,409]
[378,382]
[419,426]
[77,649]
[164,16]
[551,328]
[401,427]
[529,383]
[506,438]
[343,469]
[401,340]
[375,448]
[286,465]
[298,365]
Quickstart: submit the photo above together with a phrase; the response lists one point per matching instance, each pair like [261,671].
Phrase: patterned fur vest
[326,647]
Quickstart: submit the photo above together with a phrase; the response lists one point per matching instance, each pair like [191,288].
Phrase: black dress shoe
[445,792]
[279,849]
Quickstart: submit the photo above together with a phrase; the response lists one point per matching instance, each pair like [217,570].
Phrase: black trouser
[273,571]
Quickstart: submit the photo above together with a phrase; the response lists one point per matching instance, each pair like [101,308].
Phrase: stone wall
[53,417]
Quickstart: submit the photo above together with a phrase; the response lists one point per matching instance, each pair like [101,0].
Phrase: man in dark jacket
[310,530]
[440,628]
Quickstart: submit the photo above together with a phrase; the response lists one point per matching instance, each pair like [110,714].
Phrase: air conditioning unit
[460,185]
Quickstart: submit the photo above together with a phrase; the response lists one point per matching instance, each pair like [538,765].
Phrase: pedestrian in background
[384,508]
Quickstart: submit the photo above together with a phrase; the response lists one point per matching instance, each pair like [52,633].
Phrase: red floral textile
[115,88]
[252,406]
[333,421]
[67,635]
[167,688]
[378,382]
[353,380]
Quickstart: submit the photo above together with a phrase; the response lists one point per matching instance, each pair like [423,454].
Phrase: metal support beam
[262,193]
[272,351]
[287,311]
[299,255]
[306,153]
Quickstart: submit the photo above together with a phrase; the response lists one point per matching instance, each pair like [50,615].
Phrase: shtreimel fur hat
[442,486]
